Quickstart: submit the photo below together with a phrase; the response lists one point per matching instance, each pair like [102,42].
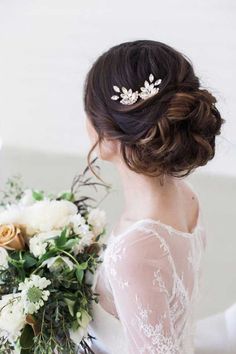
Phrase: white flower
[3,258]
[39,242]
[83,319]
[97,218]
[12,317]
[77,221]
[77,248]
[32,293]
[58,262]
[27,198]
[87,238]
[42,216]
[82,229]
[82,243]
[37,246]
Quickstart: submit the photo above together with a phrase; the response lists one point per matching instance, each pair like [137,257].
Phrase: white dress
[149,284]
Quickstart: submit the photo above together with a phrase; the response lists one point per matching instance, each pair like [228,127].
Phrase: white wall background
[47,46]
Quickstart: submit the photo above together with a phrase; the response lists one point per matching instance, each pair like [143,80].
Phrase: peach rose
[11,237]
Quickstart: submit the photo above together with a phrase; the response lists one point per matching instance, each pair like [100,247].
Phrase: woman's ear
[108,149]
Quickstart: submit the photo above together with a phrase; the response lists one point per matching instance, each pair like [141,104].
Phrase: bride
[147,114]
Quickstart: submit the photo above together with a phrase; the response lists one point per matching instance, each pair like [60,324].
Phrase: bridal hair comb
[129,97]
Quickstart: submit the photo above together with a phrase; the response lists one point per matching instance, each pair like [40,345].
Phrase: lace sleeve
[141,281]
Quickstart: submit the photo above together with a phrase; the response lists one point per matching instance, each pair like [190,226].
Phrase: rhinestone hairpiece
[129,97]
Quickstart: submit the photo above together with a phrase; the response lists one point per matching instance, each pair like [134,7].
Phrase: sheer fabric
[149,285]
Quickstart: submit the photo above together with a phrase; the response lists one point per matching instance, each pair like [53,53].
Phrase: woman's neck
[143,193]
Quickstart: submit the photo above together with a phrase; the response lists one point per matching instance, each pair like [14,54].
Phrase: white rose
[39,242]
[58,262]
[97,218]
[3,258]
[12,317]
[83,319]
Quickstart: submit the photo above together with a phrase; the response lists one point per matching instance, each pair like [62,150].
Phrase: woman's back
[149,283]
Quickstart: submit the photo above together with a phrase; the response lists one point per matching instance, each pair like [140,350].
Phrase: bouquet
[49,251]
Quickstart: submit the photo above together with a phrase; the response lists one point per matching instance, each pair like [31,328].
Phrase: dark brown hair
[171,133]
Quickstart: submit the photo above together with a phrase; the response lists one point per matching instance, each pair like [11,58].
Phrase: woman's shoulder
[140,241]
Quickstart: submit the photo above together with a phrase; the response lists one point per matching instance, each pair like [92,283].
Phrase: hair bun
[183,138]
[197,109]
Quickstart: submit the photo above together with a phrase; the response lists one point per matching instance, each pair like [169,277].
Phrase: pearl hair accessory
[130,97]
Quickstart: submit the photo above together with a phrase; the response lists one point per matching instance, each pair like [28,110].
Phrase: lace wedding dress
[149,284]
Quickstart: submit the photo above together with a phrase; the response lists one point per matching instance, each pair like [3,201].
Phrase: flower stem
[69,255]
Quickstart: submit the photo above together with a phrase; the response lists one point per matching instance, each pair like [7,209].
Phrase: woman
[147,114]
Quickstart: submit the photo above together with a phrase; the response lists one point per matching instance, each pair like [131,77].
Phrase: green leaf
[67,196]
[70,243]
[70,305]
[27,337]
[79,274]
[83,265]
[51,253]
[30,261]
[37,195]
[80,271]
[61,240]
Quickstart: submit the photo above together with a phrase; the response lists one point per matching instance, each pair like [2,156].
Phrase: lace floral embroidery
[159,281]
[158,341]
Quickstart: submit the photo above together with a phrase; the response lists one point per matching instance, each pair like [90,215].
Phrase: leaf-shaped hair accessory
[129,97]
